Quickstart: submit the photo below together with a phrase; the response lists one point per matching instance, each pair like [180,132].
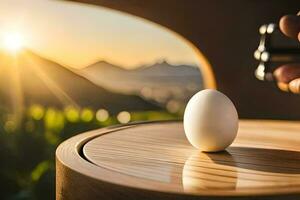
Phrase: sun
[13,42]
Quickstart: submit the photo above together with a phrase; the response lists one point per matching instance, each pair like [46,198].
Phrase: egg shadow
[201,172]
[260,159]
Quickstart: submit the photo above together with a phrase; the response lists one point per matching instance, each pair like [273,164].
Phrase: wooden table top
[263,160]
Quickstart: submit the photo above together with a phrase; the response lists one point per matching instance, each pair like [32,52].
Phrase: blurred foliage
[28,143]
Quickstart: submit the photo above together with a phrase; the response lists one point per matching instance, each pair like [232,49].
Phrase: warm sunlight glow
[13,41]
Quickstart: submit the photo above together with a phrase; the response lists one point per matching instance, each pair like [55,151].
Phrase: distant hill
[160,82]
[39,80]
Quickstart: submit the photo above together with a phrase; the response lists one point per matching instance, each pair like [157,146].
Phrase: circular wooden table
[155,161]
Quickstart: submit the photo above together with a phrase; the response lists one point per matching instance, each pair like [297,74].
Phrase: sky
[77,35]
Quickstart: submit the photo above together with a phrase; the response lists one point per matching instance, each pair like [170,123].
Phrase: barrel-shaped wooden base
[155,161]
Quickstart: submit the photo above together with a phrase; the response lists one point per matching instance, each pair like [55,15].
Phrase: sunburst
[13,42]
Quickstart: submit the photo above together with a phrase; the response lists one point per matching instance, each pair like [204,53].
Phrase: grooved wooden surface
[264,159]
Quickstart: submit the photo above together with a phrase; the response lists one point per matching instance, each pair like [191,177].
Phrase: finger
[294,86]
[283,86]
[287,73]
[290,25]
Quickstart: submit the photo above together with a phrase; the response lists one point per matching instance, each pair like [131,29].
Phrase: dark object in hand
[275,49]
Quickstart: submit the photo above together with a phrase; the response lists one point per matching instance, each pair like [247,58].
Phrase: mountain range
[27,78]
[160,82]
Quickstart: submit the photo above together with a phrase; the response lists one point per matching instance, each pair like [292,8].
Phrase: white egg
[210,121]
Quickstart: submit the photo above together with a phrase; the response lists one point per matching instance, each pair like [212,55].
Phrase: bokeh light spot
[72,114]
[87,115]
[124,117]
[36,112]
[102,115]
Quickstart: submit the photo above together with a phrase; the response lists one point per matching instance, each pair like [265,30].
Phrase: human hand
[288,76]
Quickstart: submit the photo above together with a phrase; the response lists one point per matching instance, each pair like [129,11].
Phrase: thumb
[294,86]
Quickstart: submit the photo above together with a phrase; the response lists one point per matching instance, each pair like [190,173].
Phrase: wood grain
[155,161]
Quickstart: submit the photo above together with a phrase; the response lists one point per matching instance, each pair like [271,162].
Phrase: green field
[28,142]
